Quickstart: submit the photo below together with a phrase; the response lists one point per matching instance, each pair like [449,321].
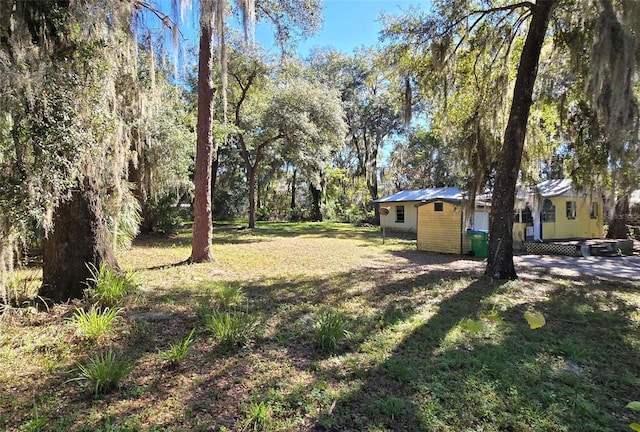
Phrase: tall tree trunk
[202,222]
[79,237]
[316,195]
[293,188]
[500,257]
[372,179]
[618,226]
[252,195]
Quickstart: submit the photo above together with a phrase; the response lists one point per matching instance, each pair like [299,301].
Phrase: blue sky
[348,24]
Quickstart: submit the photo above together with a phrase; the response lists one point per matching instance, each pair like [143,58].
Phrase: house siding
[580,227]
[410,217]
[441,231]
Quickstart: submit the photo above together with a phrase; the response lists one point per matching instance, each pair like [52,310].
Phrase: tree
[286,15]
[68,144]
[300,116]
[427,49]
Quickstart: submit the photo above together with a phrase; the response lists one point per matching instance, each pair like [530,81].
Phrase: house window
[548,213]
[594,210]
[523,215]
[400,214]
[438,206]
[571,209]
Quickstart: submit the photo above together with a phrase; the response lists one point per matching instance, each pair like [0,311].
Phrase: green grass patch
[432,344]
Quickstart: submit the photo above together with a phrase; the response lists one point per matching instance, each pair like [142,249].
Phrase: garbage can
[479,243]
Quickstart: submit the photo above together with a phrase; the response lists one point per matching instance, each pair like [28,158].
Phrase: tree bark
[316,195]
[202,221]
[294,179]
[500,256]
[79,237]
[618,226]
[252,195]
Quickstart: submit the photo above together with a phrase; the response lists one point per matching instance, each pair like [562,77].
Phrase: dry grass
[407,364]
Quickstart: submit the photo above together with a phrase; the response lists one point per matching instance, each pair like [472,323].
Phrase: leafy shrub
[178,351]
[104,372]
[108,287]
[230,328]
[96,322]
[165,214]
[330,330]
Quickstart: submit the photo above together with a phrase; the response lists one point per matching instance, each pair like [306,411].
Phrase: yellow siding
[441,231]
[580,227]
[519,231]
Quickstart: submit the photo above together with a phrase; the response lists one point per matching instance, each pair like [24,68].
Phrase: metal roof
[444,193]
[551,188]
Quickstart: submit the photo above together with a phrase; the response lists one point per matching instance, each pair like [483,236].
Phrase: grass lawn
[330,330]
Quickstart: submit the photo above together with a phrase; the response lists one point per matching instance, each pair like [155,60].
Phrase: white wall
[410,217]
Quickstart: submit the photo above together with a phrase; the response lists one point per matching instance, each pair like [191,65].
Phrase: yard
[346,334]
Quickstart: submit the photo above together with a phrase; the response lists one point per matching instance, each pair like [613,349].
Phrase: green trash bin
[479,243]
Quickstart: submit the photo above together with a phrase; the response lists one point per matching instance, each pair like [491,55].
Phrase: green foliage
[165,213]
[230,329]
[330,330]
[259,416]
[178,351]
[96,322]
[124,225]
[104,372]
[109,287]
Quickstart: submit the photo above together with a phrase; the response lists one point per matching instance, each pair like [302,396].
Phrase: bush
[165,214]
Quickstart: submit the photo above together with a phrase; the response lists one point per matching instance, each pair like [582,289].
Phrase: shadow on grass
[576,373]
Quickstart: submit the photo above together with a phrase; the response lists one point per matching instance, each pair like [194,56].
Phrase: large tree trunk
[202,222]
[316,195]
[500,257]
[252,195]
[618,226]
[79,237]
[294,179]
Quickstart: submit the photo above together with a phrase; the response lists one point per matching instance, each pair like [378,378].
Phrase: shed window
[594,210]
[548,213]
[438,206]
[400,214]
[527,216]
[571,209]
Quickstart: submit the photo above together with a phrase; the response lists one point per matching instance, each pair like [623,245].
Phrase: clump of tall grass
[230,328]
[331,329]
[96,322]
[108,287]
[178,351]
[104,372]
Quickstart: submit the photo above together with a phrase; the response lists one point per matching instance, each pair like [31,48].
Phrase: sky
[347,24]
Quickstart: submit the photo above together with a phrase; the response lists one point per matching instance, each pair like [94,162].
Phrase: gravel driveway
[626,267]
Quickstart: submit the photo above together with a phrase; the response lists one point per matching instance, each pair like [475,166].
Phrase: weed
[104,372]
[389,406]
[230,328]
[178,351]
[259,416]
[230,295]
[330,330]
[96,322]
[108,287]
